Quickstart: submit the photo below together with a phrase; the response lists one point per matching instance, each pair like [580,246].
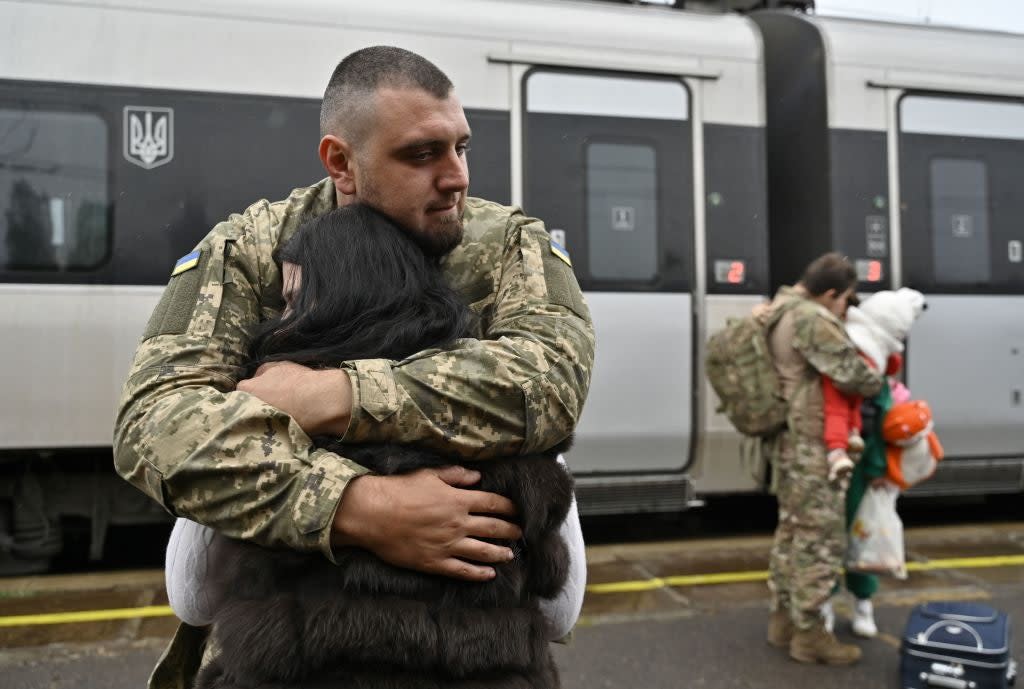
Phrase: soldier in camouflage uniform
[806,559]
[236,455]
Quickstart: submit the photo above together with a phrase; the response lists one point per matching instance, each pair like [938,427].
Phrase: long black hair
[367,291]
[294,620]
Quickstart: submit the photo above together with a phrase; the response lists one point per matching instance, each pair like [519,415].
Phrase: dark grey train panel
[490,172]
[961,214]
[109,185]
[736,199]
[828,188]
[859,185]
[799,193]
[175,163]
[581,168]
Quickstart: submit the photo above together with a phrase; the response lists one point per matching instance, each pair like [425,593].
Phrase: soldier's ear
[336,156]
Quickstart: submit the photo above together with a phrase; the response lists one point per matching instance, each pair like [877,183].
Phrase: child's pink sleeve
[900,393]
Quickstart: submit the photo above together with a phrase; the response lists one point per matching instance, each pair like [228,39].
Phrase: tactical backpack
[740,368]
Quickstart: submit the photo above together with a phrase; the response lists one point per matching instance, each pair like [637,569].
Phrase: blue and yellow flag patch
[560,251]
[186,262]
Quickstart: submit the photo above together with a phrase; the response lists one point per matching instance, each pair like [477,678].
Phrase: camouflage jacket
[223,458]
[806,343]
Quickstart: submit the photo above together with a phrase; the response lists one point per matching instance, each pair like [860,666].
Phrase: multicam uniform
[226,459]
[806,557]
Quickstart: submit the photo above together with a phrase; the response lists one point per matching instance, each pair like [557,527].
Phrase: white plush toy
[878,328]
[881,323]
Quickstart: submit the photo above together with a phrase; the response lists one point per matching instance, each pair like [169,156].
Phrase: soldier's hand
[427,521]
[320,401]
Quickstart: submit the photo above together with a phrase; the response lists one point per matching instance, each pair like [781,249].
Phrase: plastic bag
[876,536]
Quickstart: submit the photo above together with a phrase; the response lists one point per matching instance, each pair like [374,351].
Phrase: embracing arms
[224,458]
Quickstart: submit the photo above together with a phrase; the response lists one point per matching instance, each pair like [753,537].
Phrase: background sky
[1000,15]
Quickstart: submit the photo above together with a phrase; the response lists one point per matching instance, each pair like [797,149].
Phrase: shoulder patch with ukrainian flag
[560,251]
[186,262]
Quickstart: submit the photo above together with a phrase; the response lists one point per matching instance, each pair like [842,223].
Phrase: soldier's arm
[184,435]
[520,388]
[826,347]
[226,459]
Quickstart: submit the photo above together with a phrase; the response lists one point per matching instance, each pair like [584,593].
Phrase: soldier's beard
[441,239]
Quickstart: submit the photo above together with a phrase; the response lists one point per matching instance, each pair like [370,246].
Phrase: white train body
[690,162]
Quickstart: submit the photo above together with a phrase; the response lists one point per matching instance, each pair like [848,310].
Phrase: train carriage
[900,146]
[659,146]
[128,129]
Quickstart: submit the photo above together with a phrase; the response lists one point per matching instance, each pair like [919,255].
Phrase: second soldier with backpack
[767,370]
[809,341]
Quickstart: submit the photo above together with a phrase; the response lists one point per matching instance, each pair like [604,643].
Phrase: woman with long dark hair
[357,287]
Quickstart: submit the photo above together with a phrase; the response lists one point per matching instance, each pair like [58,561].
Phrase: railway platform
[657,615]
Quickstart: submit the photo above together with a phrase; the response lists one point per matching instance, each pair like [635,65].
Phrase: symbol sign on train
[623,218]
[148,136]
[876,231]
[1015,251]
[963,226]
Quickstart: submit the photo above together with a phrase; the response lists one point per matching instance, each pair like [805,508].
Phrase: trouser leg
[818,533]
[861,585]
[779,561]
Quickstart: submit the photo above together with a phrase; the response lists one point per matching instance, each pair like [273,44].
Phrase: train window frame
[933,208]
[921,272]
[48,104]
[681,279]
[636,142]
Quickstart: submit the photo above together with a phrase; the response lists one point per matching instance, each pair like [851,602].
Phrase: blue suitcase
[956,645]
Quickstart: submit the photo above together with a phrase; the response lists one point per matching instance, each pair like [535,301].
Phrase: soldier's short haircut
[831,271]
[362,73]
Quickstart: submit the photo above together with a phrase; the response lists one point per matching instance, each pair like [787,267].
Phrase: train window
[608,166]
[960,241]
[53,190]
[961,204]
[622,211]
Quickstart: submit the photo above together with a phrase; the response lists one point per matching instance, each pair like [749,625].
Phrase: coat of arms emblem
[148,136]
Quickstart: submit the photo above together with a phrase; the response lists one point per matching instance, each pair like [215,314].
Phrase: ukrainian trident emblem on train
[148,136]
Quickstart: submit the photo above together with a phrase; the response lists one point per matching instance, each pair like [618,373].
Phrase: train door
[962,236]
[608,165]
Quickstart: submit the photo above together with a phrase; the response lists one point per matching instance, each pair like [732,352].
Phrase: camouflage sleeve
[183,434]
[823,342]
[521,387]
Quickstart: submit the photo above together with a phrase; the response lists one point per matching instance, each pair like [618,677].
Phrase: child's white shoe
[864,619]
[840,465]
[828,616]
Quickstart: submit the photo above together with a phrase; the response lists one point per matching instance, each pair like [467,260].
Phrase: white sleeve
[185,572]
[563,610]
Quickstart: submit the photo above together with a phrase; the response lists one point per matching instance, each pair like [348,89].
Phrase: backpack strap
[772,317]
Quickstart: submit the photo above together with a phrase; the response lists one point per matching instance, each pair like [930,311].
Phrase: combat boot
[816,645]
[780,628]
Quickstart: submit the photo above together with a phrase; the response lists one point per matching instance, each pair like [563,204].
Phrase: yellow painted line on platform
[736,577]
[678,580]
[968,562]
[87,616]
[611,587]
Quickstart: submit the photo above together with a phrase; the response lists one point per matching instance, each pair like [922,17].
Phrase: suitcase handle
[927,634]
[946,682]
